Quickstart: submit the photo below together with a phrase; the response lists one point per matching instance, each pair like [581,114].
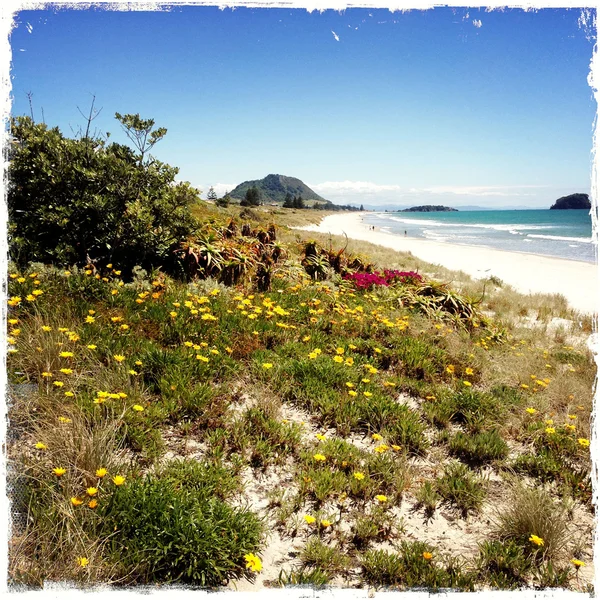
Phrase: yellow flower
[267,365]
[427,555]
[173,314]
[377,437]
[67,371]
[320,437]
[119,357]
[578,563]
[309,519]
[381,498]
[570,427]
[306,338]
[325,523]
[253,563]
[76,501]
[82,561]
[524,386]
[101,472]
[118,480]
[340,350]
[46,328]
[59,471]
[382,448]
[450,369]
[352,393]
[338,359]
[583,442]
[366,380]
[66,355]
[538,541]
[320,457]
[389,384]
[367,394]
[550,430]
[468,371]
[41,446]
[92,491]
[93,503]
[358,475]
[90,319]
[349,384]
[46,374]
[349,361]
[572,417]
[396,448]
[69,394]
[530,410]
[58,383]
[92,346]
[137,407]
[64,419]
[467,383]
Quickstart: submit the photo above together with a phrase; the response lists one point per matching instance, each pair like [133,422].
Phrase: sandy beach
[527,273]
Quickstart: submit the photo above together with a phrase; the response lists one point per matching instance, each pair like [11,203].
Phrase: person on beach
[405,233]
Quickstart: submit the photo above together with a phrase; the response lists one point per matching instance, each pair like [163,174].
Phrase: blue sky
[453,106]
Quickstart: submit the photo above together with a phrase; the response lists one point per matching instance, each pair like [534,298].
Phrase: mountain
[430,208]
[572,201]
[273,188]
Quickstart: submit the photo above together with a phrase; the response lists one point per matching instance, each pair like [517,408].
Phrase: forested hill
[275,188]
[572,201]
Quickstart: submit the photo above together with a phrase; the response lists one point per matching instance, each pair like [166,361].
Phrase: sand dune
[527,273]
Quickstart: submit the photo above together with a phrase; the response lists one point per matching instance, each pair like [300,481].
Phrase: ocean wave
[561,238]
[514,228]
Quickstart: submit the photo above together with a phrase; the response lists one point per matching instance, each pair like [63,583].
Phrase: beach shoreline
[528,273]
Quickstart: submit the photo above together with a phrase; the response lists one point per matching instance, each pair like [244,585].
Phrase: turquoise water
[557,233]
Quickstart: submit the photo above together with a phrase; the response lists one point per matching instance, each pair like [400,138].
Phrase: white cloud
[336,36]
[340,188]
[477,23]
[357,192]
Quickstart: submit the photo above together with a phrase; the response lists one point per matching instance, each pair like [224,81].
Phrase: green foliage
[461,488]
[159,533]
[410,569]
[479,448]
[75,200]
[503,565]
[304,576]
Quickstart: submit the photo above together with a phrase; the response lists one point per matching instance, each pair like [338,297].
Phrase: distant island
[578,201]
[430,208]
[275,189]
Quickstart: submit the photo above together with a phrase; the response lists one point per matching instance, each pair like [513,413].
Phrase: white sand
[527,273]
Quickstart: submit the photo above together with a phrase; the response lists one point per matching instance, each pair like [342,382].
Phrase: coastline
[528,273]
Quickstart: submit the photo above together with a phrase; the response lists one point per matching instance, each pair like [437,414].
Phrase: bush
[479,448]
[162,534]
[71,201]
[459,486]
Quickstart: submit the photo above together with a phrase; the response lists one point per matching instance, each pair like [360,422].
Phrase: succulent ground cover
[269,422]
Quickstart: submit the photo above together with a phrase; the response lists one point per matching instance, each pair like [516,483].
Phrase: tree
[298,202]
[69,205]
[212,195]
[252,197]
[362,207]
[225,201]
[139,131]
[289,201]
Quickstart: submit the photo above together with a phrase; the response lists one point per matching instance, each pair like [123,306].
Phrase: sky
[445,106]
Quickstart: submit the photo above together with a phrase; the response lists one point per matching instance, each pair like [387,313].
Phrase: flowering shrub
[365,281]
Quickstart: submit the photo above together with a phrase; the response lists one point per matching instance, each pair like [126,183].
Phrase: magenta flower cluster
[364,281]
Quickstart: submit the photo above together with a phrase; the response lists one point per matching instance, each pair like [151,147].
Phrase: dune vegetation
[252,405]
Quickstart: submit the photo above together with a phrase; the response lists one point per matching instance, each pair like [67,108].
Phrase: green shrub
[503,565]
[158,533]
[461,488]
[479,448]
[74,200]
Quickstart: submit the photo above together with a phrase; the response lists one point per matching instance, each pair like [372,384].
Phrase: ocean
[557,233]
